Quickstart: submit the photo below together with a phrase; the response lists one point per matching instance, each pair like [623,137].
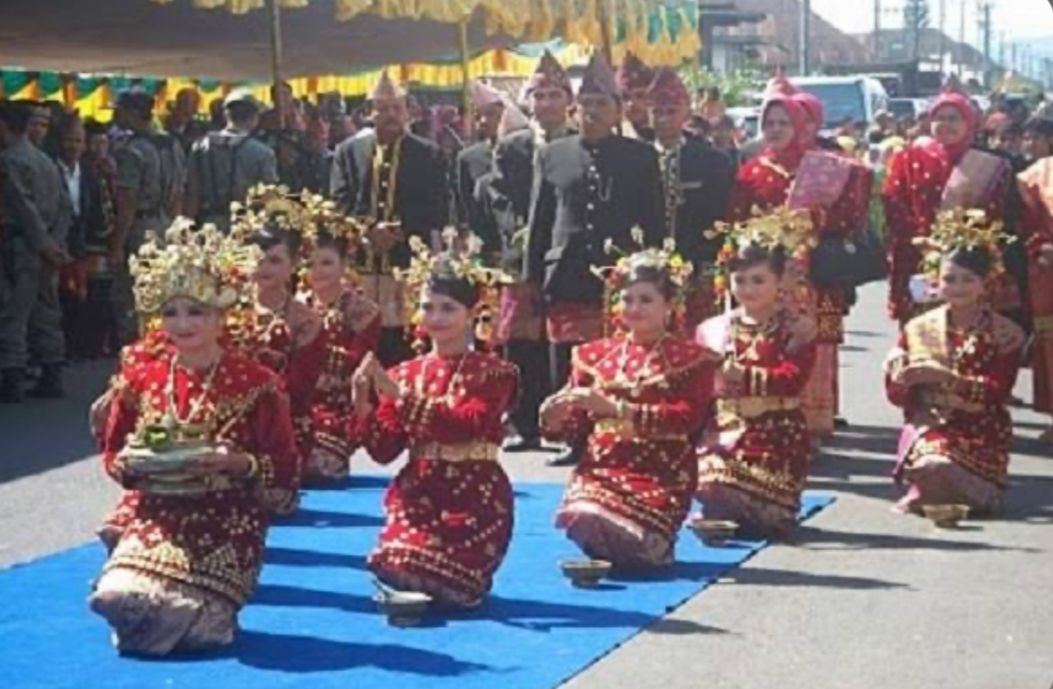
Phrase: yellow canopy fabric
[658,31]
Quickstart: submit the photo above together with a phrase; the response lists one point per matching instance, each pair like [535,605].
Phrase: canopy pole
[276,58]
[605,32]
[466,90]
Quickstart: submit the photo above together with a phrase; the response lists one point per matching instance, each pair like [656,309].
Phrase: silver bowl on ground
[585,574]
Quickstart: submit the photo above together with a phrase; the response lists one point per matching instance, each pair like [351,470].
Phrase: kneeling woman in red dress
[952,374]
[638,398]
[755,455]
[196,439]
[449,510]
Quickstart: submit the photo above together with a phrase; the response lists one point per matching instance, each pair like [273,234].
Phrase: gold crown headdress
[664,259]
[781,227]
[961,228]
[201,264]
[462,255]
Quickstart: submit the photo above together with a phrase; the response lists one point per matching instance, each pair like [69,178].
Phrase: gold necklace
[644,372]
[172,418]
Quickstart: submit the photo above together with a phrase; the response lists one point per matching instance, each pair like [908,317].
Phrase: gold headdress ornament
[462,256]
[961,228]
[664,259]
[782,227]
[201,264]
[304,214]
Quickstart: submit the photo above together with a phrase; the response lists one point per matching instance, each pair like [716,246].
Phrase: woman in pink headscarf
[941,173]
[765,180]
[834,189]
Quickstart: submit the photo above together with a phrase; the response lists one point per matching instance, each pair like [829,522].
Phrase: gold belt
[477,451]
[752,407]
[626,429]
[1043,326]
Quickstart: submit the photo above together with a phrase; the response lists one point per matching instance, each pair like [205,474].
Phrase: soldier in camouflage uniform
[140,200]
[36,219]
[226,164]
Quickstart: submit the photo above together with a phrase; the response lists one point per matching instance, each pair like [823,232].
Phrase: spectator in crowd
[39,124]
[86,324]
[711,107]
[226,164]
[724,139]
[1038,138]
[182,118]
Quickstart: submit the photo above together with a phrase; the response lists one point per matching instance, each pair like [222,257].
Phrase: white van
[857,98]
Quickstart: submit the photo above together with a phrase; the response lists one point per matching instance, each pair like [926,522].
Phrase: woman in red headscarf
[938,173]
[834,189]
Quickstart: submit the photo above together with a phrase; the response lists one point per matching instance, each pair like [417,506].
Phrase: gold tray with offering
[166,450]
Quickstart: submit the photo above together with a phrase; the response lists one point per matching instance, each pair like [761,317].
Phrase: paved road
[859,598]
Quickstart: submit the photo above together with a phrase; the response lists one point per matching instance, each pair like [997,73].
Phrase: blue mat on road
[313,624]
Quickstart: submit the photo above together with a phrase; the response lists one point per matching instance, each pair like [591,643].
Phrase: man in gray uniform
[140,200]
[36,216]
[226,164]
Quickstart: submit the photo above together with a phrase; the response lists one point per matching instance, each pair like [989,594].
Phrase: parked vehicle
[907,108]
[853,98]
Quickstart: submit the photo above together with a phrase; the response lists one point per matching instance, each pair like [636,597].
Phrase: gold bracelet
[254,466]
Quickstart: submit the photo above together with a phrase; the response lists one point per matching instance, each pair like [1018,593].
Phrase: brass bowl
[713,532]
[945,516]
[403,608]
[585,574]
[174,459]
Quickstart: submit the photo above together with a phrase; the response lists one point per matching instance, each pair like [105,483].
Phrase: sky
[1017,18]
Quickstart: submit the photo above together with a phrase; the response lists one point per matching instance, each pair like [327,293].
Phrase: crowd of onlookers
[104,177]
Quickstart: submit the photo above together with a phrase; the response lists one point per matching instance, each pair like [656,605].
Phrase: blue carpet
[312,622]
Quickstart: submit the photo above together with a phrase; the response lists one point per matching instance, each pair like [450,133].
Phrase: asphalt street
[860,597]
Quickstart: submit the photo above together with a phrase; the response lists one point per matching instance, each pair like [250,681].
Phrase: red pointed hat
[668,87]
[598,77]
[549,74]
[632,74]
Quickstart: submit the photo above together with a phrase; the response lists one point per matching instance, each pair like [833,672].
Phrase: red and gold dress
[450,509]
[955,442]
[632,490]
[836,191]
[182,566]
[923,180]
[267,337]
[754,459]
[350,329]
[1036,190]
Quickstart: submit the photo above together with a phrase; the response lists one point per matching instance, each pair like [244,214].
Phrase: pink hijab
[790,156]
[952,99]
[813,107]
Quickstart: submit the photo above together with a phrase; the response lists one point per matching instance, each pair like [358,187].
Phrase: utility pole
[961,44]
[943,33]
[985,27]
[802,39]
[877,30]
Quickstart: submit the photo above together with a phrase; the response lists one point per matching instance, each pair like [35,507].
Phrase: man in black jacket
[397,181]
[696,185]
[476,162]
[521,325]
[591,189]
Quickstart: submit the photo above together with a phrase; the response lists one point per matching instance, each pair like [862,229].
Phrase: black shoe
[11,386]
[841,423]
[49,387]
[569,458]
[522,445]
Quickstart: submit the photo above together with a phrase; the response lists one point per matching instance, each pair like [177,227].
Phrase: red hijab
[790,156]
[952,99]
